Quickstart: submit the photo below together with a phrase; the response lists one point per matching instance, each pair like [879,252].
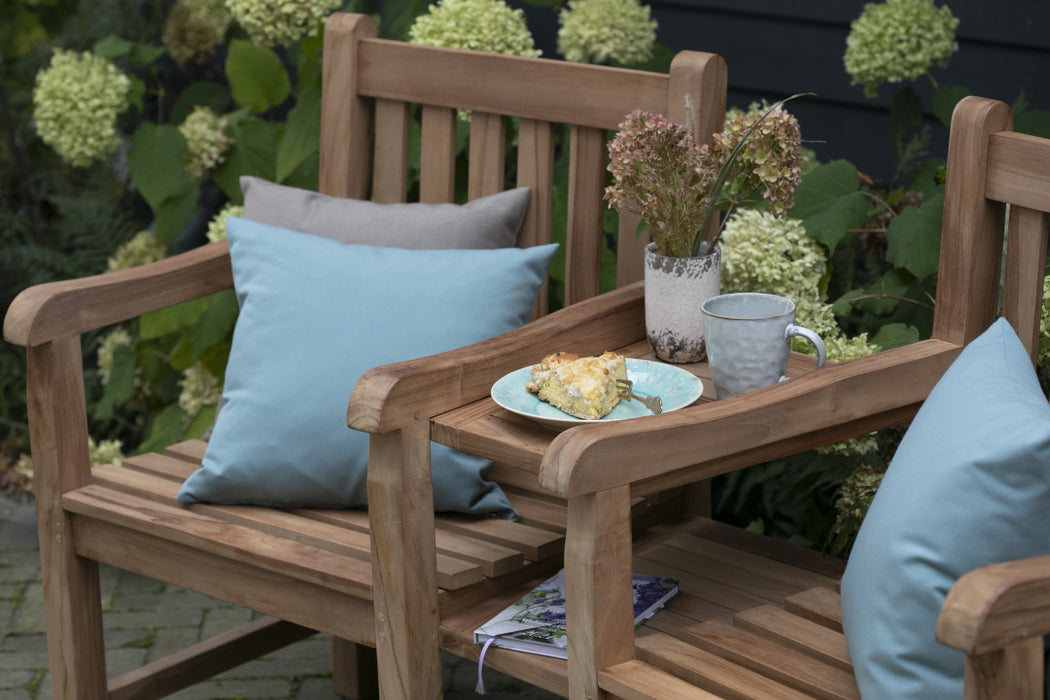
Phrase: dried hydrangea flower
[599,31]
[653,162]
[198,388]
[76,101]
[281,22]
[898,41]
[143,248]
[206,141]
[217,225]
[193,29]
[478,25]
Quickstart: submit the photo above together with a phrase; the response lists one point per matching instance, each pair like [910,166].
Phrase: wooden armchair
[757,618]
[309,570]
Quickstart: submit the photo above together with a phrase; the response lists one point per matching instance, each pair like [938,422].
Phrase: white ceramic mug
[749,338]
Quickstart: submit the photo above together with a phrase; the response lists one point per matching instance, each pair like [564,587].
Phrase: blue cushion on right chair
[968,487]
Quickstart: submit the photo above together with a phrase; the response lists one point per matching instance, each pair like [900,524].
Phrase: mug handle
[822,353]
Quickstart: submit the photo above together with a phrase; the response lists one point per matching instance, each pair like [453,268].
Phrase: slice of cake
[584,387]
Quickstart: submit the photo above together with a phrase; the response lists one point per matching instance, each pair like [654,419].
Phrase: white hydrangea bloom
[76,101]
[281,22]
[106,347]
[143,248]
[761,253]
[478,25]
[217,226]
[199,388]
[600,31]
[105,452]
[206,141]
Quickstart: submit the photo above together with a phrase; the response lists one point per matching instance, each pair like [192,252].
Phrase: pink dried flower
[659,172]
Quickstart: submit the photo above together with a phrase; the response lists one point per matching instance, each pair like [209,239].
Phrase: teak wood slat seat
[312,570]
[756,618]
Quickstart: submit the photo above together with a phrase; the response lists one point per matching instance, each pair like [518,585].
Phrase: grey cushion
[486,222]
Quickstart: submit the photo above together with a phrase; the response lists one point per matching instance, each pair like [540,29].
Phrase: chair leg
[354,671]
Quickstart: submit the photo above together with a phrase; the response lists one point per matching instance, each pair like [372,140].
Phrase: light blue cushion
[315,315]
[968,487]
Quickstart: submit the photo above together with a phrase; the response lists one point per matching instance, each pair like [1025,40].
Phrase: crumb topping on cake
[584,387]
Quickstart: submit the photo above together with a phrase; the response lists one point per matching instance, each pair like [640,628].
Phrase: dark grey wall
[775,48]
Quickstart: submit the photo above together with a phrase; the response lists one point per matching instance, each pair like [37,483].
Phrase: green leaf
[925,178]
[175,213]
[20,32]
[944,101]
[112,47]
[895,335]
[157,160]
[256,75]
[253,153]
[302,133]
[215,325]
[1033,121]
[164,429]
[121,384]
[200,423]
[174,318]
[829,203]
[913,239]
[204,93]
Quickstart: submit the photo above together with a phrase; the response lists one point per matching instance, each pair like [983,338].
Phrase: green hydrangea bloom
[599,31]
[76,101]
[761,253]
[206,141]
[854,501]
[898,41]
[198,388]
[281,22]
[217,225]
[106,347]
[478,25]
[1044,327]
[193,28]
[143,248]
[105,452]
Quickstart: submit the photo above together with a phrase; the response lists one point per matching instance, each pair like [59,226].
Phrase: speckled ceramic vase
[674,290]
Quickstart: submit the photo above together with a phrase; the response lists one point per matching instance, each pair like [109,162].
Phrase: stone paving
[146,620]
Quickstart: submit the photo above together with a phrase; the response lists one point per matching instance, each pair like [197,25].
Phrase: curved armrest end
[994,606]
[389,397]
[711,438]
[56,310]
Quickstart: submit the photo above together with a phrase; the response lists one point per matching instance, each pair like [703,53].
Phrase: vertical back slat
[390,179]
[630,249]
[437,164]
[536,171]
[345,115]
[584,226]
[970,257]
[1026,242]
[487,154]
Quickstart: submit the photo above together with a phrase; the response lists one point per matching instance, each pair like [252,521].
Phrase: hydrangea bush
[206,141]
[478,25]
[604,31]
[281,22]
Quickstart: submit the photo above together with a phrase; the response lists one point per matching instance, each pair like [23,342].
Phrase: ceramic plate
[675,386]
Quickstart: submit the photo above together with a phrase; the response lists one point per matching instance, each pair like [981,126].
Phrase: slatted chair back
[373,87]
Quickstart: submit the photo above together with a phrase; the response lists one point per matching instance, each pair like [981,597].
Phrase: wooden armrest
[387,398]
[57,310]
[994,606]
[676,448]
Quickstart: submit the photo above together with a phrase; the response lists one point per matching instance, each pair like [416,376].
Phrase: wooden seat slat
[793,575]
[706,568]
[719,593]
[634,680]
[822,605]
[773,660]
[184,526]
[453,572]
[710,672]
[533,542]
[798,633]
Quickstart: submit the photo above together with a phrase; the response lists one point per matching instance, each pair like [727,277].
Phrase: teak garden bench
[309,570]
[756,618]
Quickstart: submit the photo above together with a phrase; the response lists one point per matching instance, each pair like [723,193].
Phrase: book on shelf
[536,622]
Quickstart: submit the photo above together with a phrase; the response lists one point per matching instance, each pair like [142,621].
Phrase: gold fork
[624,389]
